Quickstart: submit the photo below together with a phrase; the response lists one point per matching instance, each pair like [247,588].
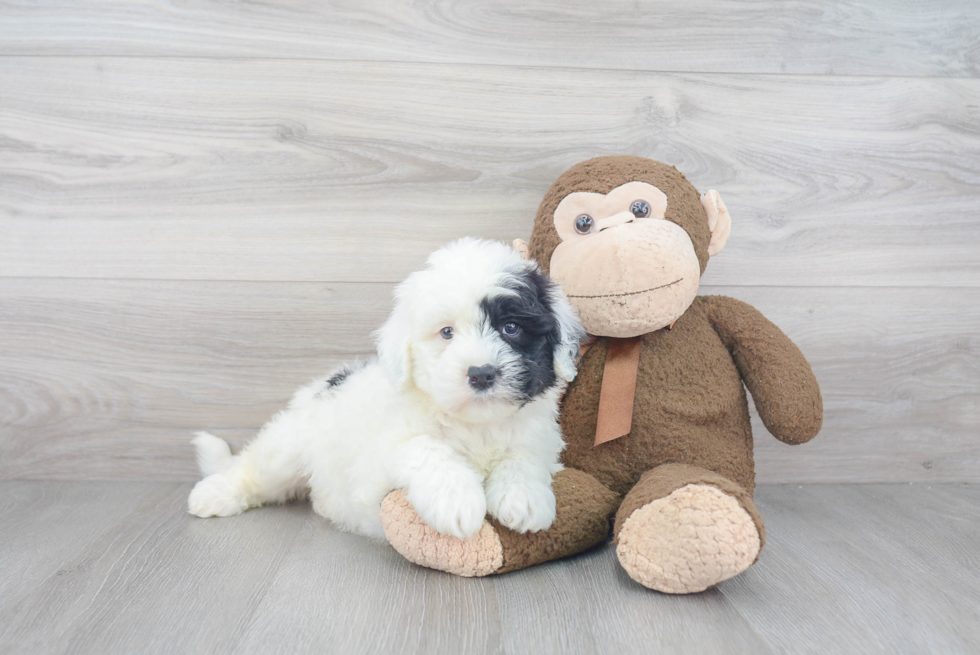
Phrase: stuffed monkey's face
[625,268]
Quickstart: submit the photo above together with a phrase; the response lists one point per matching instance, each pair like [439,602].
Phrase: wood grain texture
[847,568]
[588,604]
[583,605]
[351,171]
[140,588]
[869,568]
[843,37]
[108,379]
[111,377]
[360,582]
[44,525]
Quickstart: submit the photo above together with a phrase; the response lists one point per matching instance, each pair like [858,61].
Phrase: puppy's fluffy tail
[213,454]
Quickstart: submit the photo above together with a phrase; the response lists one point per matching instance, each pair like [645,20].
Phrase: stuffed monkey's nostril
[615,220]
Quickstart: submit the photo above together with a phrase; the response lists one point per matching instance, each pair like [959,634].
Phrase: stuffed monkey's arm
[777,375]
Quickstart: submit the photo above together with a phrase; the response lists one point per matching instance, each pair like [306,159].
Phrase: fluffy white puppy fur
[459,409]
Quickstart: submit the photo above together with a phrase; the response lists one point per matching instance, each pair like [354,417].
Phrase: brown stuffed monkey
[657,421]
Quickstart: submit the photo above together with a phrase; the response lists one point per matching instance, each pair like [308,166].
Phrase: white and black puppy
[459,409]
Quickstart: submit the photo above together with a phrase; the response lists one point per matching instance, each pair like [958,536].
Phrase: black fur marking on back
[338,378]
[540,333]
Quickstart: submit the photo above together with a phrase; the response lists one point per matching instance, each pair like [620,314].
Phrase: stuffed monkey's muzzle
[628,278]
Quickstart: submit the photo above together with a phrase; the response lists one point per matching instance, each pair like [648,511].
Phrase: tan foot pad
[693,539]
[481,554]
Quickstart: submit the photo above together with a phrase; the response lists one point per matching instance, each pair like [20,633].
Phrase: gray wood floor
[119,567]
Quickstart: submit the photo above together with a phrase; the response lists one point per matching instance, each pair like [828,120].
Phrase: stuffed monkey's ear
[719,221]
[520,245]
[394,342]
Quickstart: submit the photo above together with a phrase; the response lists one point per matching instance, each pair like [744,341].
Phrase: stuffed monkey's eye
[584,224]
[511,328]
[446,332]
[640,208]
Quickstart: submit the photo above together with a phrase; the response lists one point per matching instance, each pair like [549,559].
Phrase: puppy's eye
[640,208]
[584,224]
[446,332]
[511,328]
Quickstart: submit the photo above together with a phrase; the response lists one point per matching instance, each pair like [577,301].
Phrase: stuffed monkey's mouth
[631,293]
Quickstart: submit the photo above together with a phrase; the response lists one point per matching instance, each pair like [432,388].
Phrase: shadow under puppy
[459,409]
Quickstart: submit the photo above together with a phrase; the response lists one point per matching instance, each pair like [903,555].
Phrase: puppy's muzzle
[482,377]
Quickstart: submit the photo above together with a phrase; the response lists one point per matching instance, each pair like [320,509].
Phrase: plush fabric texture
[693,539]
[779,378]
[615,418]
[584,510]
[628,281]
[668,478]
[719,221]
[405,530]
[690,405]
[602,175]
[582,520]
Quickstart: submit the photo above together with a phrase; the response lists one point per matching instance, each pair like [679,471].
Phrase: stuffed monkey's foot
[477,556]
[691,539]
[583,509]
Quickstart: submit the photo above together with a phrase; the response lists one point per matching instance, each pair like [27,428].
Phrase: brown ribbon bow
[618,389]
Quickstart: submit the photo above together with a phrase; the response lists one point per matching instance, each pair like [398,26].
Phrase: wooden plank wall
[204,204]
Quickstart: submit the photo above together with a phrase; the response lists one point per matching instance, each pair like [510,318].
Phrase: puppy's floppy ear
[571,332]
[394,341]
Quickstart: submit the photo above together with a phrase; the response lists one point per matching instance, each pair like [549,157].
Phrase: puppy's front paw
[216,495]
[452,504]
[527,506]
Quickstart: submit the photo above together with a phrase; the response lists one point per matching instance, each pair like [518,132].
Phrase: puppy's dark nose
[482,377]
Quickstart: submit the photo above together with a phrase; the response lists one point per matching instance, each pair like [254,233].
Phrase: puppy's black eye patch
[513,319]
[529,310]
[526,321]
